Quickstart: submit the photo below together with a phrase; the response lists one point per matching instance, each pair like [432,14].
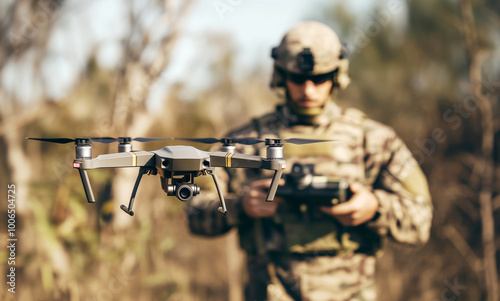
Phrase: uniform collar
[330,112]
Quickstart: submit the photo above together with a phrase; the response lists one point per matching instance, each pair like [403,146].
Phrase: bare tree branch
[29,24]
[474,262]
[484,167]
[129,115]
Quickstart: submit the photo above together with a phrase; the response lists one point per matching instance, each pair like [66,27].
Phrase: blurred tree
[50,218]
[478,47]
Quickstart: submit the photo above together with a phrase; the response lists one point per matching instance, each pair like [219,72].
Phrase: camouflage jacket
[364,151]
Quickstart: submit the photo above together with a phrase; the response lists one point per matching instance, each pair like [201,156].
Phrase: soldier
[331,256]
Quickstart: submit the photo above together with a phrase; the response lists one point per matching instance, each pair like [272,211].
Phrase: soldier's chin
[309,104]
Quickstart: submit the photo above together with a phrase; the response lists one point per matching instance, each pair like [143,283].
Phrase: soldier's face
[309,92]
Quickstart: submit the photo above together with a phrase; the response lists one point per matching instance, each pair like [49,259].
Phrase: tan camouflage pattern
[335,262]
[339,278]
[324,45]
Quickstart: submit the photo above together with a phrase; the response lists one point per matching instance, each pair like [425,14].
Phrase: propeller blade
[304,141]
[146,139]
[247,141]
[53,140]
[105,140]
[201,140]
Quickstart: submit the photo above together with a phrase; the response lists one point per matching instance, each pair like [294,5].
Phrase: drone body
[178,165]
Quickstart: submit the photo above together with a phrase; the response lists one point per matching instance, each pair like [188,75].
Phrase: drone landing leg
[86,185]
[274,185]
[128,209]
[222,209]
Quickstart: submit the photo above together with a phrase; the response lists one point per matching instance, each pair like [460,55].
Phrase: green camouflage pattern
[335,262]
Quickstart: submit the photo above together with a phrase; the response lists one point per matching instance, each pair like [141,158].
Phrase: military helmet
[310,48]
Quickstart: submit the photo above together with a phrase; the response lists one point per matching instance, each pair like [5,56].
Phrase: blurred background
[74,68]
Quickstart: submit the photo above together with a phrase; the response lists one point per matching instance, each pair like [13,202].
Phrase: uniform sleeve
[405,207]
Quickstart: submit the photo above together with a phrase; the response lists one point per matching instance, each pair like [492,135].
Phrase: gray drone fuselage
[178,166]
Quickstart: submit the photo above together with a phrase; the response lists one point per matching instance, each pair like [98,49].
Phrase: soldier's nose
[309,88]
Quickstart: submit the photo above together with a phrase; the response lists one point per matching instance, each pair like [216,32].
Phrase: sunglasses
[300,79]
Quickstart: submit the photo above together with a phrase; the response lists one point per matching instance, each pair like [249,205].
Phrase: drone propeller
[108,140]
[299,141]
[56,140]
[201,140]
[251,141]
[104,140]
[146,139]
[225,141]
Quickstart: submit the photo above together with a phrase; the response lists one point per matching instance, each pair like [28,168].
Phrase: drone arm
[232,160]
[222,209]
[124,159]
[86,185]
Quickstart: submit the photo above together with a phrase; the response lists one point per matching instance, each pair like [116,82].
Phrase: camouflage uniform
[308,255]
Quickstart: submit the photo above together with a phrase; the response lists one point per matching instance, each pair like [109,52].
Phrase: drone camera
[183,191]
[186,191]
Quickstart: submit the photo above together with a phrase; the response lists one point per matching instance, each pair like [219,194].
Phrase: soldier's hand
[254,201]
[361,208]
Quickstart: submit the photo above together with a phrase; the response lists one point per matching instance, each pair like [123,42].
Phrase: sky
[86,27]
[254,27]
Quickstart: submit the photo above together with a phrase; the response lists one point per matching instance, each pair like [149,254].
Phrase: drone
[178,165]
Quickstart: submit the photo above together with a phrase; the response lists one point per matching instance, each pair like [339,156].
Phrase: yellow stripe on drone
[228,159]
[134,158]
